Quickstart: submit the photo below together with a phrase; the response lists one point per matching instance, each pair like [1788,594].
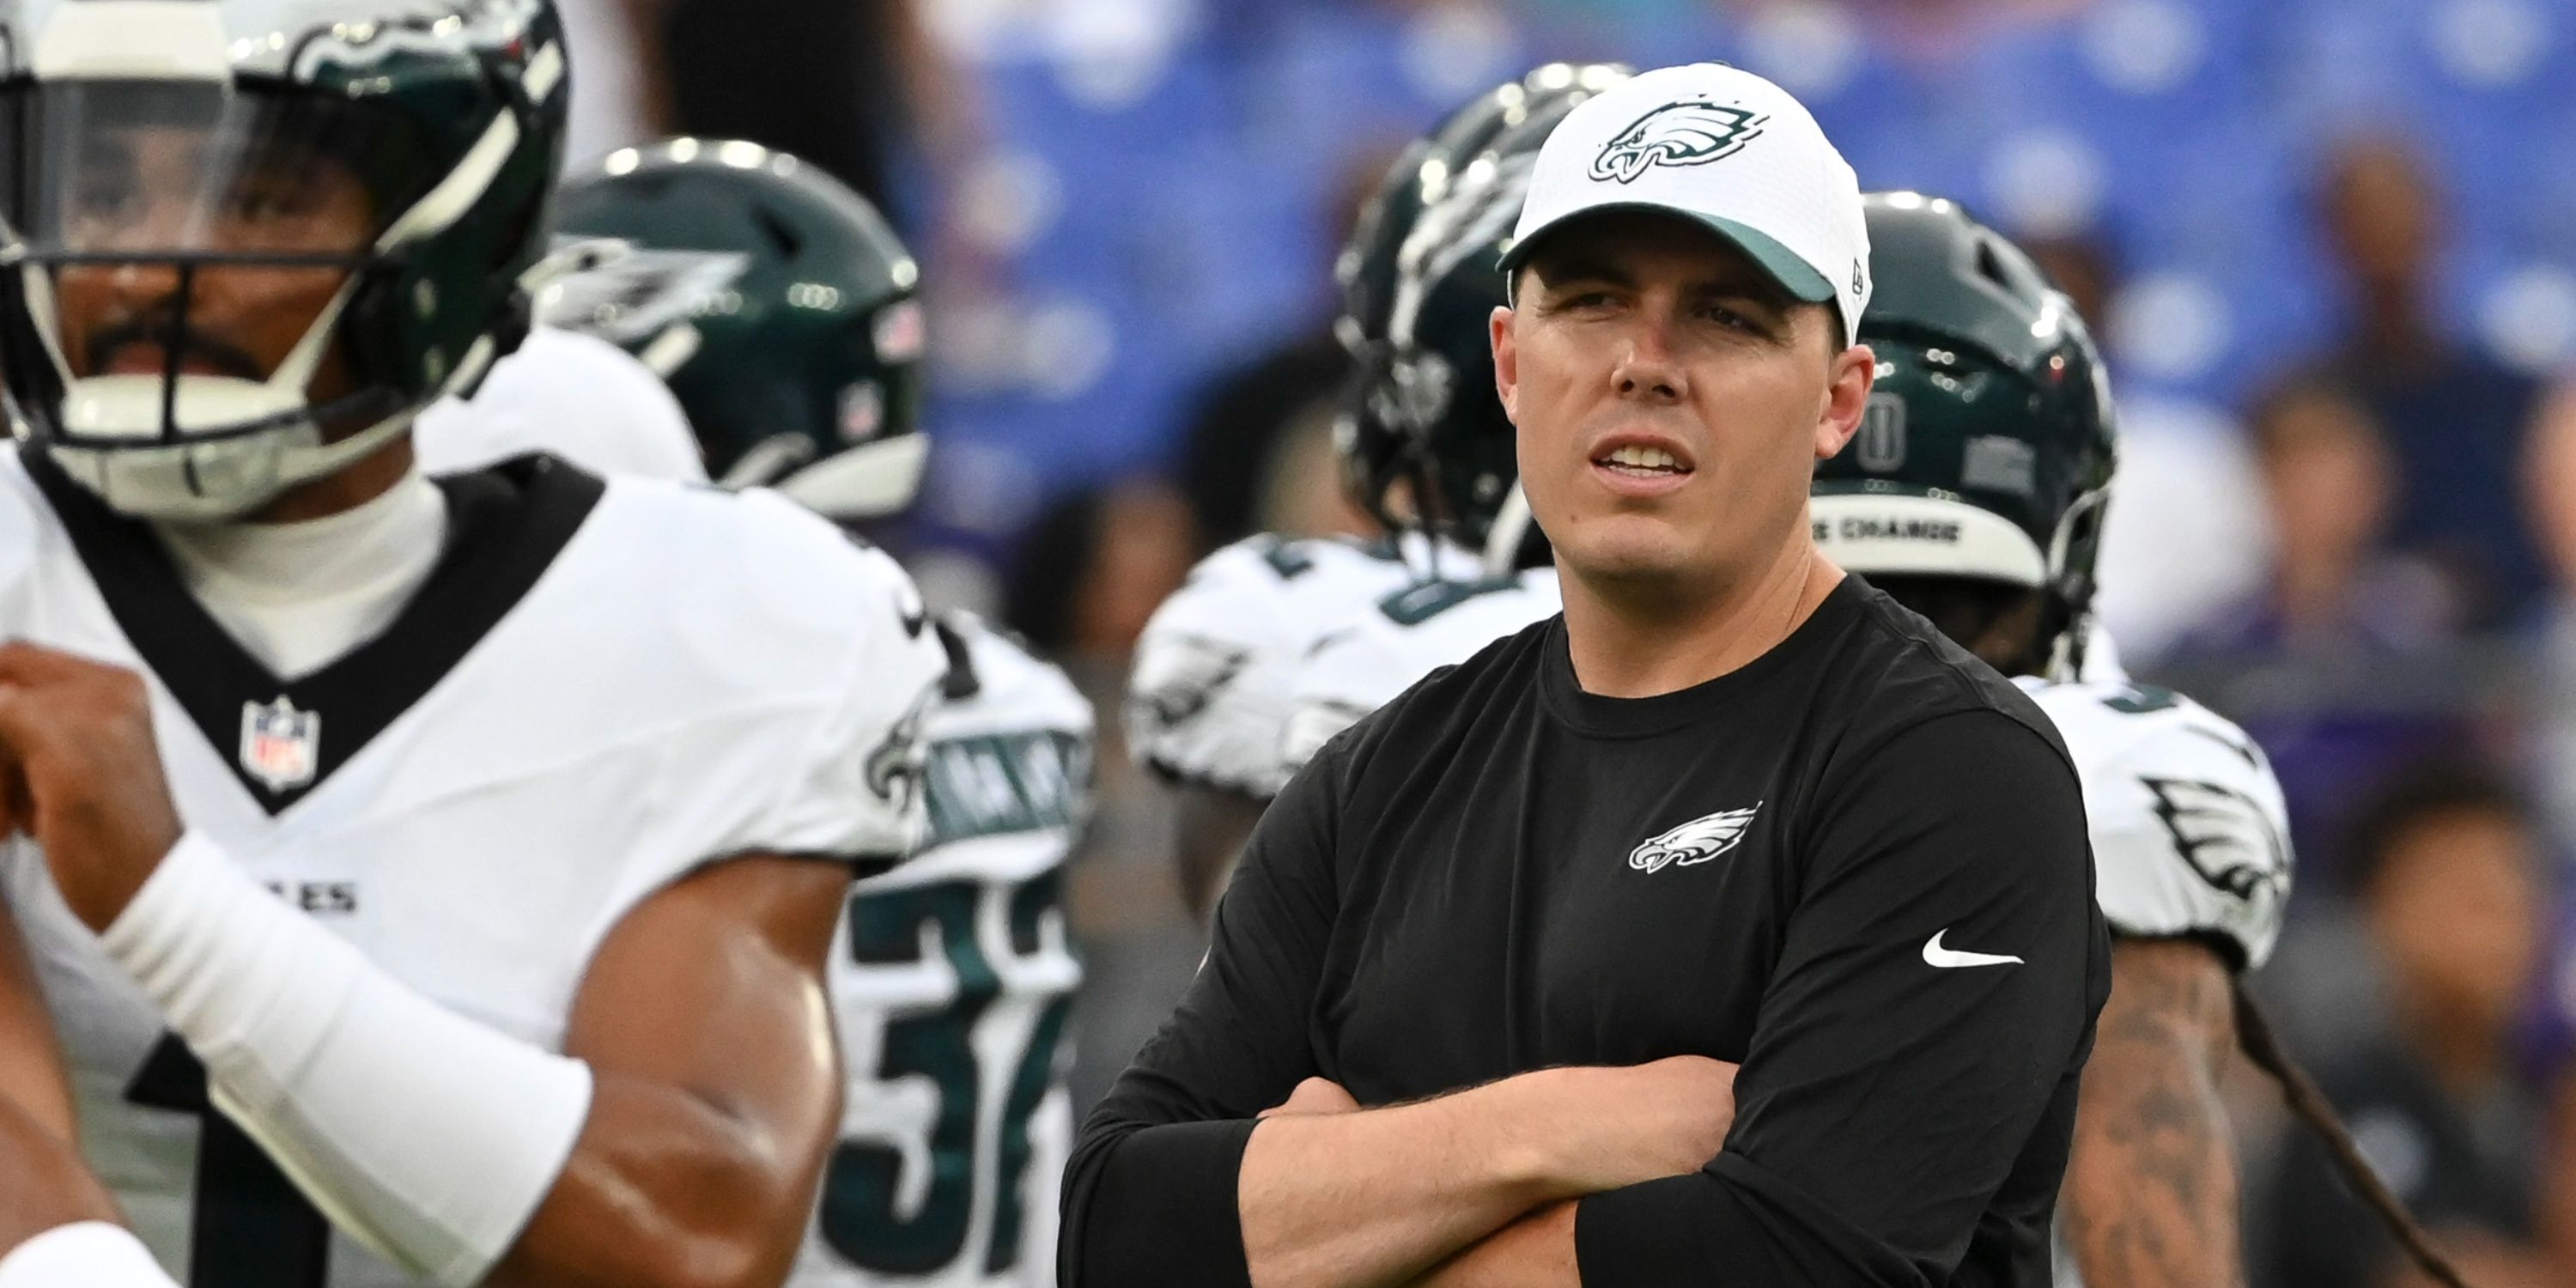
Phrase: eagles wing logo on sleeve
[1690,132]
[1178,677]
[2224,835]
[1696,841]
[897,765]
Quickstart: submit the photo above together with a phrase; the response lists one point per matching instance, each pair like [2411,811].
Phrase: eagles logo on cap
[1690,132]
[1792,205]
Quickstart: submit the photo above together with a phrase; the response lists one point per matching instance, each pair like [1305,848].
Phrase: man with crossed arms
[1734,927]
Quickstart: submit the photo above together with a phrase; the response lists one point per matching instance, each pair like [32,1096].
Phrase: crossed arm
[1826,1175]
[1332,1194]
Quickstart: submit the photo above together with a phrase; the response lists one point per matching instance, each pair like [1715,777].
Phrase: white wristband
[422,1133]
[84,1254]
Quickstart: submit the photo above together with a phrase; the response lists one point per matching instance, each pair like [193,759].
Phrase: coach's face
[1671,399]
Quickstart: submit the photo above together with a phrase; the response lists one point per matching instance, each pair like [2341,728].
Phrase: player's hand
[1314,1096]
[83,775]
[1621,1126]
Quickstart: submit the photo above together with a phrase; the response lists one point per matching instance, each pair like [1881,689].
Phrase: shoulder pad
[1214,673]
[2190,832]
[1362,665]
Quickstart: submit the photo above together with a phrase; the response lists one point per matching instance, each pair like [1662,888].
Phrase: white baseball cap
[1726,149]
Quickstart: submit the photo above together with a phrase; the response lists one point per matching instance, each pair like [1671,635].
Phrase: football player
[783,311]
[418,882]
[1217,683]
[1974,494]
[1430,433]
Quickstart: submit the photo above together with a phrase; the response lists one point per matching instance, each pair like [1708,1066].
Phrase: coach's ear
[1846,397]
[1507,363]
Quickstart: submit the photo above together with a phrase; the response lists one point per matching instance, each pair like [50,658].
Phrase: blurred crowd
[2332,246]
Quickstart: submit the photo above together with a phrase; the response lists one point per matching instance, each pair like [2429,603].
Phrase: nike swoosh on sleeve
[1951,958]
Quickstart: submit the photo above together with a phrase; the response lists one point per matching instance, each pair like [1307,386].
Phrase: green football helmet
[176,171]
[1983,462]
[1415,301]
[778,304]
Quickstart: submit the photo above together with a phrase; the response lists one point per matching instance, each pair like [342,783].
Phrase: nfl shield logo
[279,744]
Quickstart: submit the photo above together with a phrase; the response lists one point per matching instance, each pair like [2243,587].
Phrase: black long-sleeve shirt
[1814,865]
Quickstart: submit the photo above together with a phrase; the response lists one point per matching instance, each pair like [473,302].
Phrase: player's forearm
[43,1182]
[665,1190]
[306,1043]
[697,1165]
[2151,1188]
[1382,1196]
[2151,1199]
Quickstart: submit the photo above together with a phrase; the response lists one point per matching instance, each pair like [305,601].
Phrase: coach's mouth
[1641,465]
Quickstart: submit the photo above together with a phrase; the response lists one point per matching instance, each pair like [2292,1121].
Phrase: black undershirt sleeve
[1149,1196]
[1885,1099]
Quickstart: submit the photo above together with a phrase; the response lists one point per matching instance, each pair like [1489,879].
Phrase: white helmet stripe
[462,187]
[1924,536]
[180,40]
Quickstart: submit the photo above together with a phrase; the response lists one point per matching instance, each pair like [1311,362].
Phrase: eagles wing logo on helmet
[632,297]
[1691,132]
[1696,841]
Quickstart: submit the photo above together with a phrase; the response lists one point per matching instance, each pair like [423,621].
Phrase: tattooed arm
[2151,1189]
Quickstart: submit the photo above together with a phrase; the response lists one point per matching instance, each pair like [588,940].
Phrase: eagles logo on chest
[1696,841]
[1690,132]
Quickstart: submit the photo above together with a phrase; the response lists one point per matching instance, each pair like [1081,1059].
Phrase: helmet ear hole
[781,237]
[1990,265]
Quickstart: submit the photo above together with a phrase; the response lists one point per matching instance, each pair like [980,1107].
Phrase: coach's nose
[1647,370]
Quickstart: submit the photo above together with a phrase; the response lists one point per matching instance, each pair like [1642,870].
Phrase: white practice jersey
[1216,669]
[602,688]
[2190,835]
[952,984]
[577,396]
[1366,662]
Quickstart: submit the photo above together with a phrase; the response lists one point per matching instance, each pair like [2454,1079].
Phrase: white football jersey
[1367,661]
[2190,835]
[1215,674]
[601,688]
[577,396]
[952,985]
